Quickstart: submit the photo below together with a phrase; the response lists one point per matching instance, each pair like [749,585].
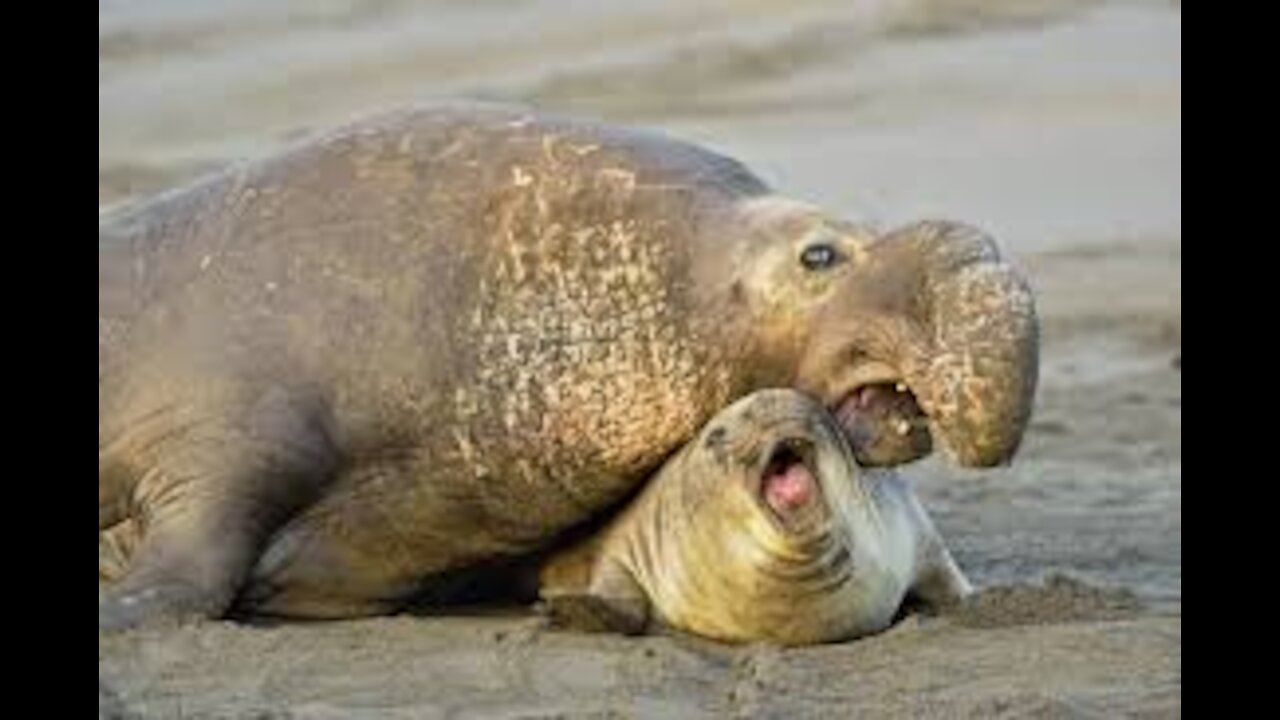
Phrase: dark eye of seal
[819,256]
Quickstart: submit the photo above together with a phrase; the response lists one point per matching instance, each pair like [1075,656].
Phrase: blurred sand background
[1056,124]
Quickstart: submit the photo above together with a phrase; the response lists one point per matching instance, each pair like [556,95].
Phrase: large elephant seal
[763,528]
[444,335]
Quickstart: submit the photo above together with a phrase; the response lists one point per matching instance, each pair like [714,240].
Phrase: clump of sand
[1060,599]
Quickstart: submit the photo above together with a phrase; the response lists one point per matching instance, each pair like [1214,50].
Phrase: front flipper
[116,545]
[598,613]
[939,581]
[206,500]
[585,591]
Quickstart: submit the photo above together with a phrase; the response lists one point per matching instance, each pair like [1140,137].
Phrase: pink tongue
[789,489]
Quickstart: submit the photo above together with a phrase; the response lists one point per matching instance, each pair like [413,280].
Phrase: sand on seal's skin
[1055,124]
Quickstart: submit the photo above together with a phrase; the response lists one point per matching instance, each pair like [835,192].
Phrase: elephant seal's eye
[819,256]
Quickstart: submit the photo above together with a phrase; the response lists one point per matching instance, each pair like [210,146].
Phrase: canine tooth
[903,427]
[900,387]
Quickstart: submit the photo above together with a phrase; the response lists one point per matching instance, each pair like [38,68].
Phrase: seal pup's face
[908,337]
[765,528]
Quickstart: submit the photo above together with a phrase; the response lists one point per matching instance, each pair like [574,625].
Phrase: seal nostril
[715,438]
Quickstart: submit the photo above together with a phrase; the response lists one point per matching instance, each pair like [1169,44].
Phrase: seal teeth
[900,387]
[902,427]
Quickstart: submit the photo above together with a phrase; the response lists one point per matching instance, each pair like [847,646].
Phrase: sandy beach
[1054,124]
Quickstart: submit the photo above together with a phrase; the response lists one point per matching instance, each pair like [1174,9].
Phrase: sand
[1084,658]
[1057,125]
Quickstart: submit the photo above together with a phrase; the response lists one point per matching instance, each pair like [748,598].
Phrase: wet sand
[1057,125]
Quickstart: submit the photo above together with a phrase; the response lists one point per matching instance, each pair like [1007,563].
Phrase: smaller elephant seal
[763,528]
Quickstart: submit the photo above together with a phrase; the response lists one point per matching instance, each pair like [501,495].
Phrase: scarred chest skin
[595,354]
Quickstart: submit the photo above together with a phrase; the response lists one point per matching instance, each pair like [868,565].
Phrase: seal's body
[445,335]
[763,528]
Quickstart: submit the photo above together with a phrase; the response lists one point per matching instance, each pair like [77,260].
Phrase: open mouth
[884,423]
[789,481]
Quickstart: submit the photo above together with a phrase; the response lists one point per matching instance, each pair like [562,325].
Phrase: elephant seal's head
[918,335]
